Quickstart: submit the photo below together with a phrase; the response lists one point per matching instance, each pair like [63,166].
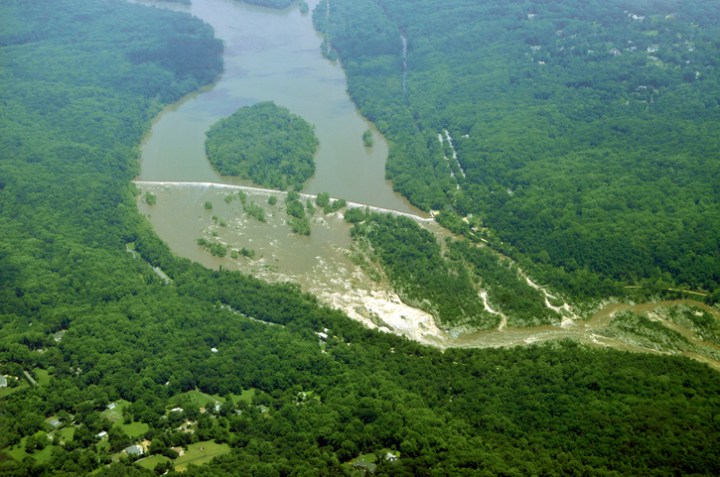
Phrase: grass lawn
[150,462]
[8,391]
[245,396]
[200,399]
[115,414]
[134,429]
[103,445]
[41,457]
[361,465]
[200,453]
[17,452]
[364,459]
[65,434]
[365,462]
[196,454]
[42,376]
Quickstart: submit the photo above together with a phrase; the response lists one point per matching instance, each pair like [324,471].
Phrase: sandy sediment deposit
[385,311]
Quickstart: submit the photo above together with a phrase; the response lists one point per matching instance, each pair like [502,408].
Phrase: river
[275,55]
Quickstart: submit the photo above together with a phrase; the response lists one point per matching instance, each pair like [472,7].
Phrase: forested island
[265,143]
[118,358]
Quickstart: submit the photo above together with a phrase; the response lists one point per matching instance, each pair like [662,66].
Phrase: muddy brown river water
[272,55]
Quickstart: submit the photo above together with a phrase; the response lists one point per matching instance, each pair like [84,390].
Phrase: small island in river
[265,143]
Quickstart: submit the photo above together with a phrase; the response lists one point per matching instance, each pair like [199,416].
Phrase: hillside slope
[583,138]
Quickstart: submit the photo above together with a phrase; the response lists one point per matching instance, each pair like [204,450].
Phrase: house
[323,335]
[134,451]
[158,271]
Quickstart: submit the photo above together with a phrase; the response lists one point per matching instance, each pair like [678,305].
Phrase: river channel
[275,55]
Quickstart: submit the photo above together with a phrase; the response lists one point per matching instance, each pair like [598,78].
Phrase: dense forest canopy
[98,353]
[586,134]
[265,143]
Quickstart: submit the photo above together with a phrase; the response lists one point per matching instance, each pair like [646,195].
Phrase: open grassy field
[196,454]
[152,461]
[246,396]
[200,453]
[43,376]
[65,434]
[201,399]
[41,457]
[115,414]
[8,391]
[135,429]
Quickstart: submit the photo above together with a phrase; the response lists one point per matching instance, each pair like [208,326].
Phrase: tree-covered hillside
[584,135]
[448,283]
[101,355]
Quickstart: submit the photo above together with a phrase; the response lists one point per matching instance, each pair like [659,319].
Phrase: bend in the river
[273,55]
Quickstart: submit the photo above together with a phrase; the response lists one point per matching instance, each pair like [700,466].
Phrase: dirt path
[564,310]
[486,304]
